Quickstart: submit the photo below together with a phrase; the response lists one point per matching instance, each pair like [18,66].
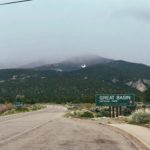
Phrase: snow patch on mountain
[83,66]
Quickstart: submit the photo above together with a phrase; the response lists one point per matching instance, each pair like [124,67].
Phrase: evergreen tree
[147,95]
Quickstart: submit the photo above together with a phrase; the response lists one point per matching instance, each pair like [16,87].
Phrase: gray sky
[58,29]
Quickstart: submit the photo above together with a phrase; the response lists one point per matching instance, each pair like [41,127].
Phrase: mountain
[75,63]
[89,60]
[74,81]
[119,72]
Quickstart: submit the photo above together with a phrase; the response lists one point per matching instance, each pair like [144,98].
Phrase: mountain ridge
[75,63]
[80,82]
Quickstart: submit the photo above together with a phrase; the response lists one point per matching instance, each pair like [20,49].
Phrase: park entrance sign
[115,100]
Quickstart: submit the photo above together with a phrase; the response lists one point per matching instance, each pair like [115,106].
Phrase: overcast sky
[58,29]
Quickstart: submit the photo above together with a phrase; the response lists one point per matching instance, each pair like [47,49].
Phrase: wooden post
[120,110]
[110,111]
[117,111]
[113,109]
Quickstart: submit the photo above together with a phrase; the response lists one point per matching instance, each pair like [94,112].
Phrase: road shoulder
[140,135]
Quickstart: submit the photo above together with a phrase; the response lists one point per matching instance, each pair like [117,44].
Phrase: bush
[127,111]
[85,114]
[103,113]
[147,95]
[80,114]
[9,112]
[23,109]
[140,117]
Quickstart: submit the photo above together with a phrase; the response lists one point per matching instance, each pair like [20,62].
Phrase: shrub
[80,114]
[102,113]
[127,112]
[85,114]
[8,112]
[140,117]
[23,109]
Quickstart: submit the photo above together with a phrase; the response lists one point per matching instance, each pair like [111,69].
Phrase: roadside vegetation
[81,111]
[9,108]
[140,116]
[86,110]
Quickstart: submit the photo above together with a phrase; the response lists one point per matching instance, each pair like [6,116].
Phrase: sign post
[120,110]
[115,102]
[110,111]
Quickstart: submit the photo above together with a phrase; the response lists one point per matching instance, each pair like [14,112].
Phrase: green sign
[115,100]
[18,104]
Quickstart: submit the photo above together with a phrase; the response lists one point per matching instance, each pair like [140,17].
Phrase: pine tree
[147,95]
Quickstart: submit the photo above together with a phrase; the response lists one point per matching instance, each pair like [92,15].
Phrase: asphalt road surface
[48,130]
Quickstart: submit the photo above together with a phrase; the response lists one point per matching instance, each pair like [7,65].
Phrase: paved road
[49,130]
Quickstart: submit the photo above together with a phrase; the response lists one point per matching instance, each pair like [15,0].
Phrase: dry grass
[6,107]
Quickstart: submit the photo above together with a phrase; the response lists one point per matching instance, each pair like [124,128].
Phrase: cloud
[138,10]
[141,15]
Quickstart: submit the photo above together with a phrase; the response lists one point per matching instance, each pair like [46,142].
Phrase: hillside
[119,72]
[77,85]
